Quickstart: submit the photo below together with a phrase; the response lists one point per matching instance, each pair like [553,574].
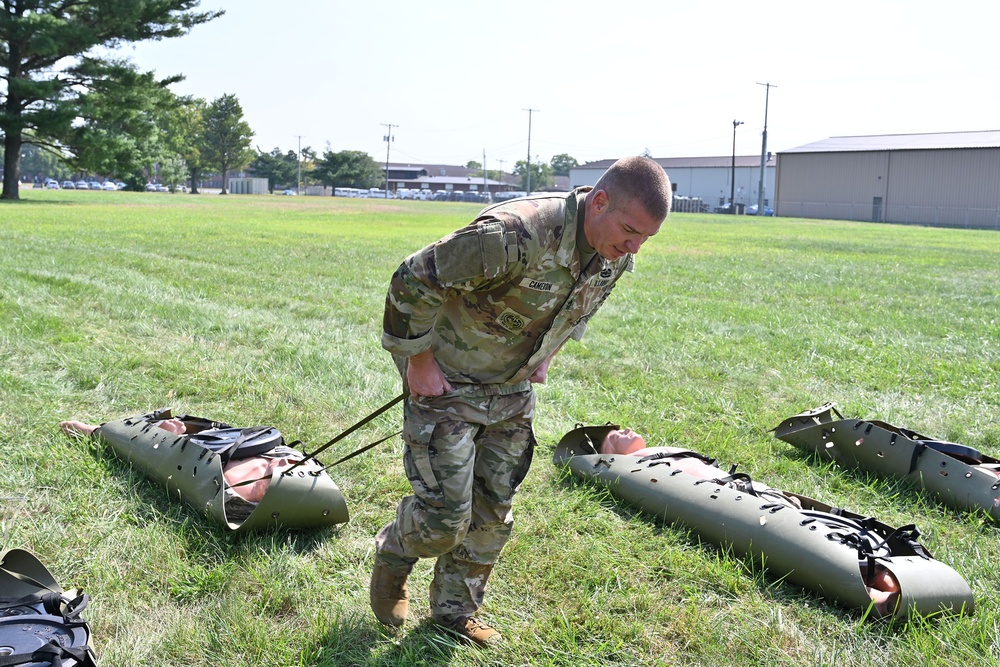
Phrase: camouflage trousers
[465,457]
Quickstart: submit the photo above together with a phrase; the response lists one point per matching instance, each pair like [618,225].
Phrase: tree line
[66,106]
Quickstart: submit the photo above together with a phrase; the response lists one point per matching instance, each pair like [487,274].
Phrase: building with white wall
[709,179]
[945,178]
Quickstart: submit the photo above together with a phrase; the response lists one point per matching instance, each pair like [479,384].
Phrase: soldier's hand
[541,373]
[425,377]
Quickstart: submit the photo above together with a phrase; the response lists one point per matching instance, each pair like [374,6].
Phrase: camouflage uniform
[493,300]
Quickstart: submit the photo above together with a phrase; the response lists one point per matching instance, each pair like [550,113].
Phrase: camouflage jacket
[499,296]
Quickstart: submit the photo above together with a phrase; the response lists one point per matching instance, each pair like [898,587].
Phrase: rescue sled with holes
[191,468]
[40,623]
[828,550]
[961,477]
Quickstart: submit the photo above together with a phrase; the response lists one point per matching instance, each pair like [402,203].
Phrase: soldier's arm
[459,263]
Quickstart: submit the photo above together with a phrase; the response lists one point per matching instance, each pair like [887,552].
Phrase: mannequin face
[622,441]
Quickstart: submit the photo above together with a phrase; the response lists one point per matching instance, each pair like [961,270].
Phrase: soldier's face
[615,230]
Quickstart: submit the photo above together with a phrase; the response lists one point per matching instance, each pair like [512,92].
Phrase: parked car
[150,187]
[108,185]
[162,188]
[752,210]
[289,193]
[82,185]
[95,185]
[51,184]
[68,185]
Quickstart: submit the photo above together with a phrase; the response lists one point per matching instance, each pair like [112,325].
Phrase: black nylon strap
[51,653]
[352,429]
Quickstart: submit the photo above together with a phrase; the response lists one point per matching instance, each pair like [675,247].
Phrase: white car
[108,185]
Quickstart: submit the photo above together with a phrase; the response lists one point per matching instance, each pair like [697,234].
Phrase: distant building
[436,177]
[708,180]
[948,178]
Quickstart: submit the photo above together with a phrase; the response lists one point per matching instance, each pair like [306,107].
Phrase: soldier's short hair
[641,179]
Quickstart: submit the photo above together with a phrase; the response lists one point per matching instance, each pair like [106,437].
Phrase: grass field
[267,310]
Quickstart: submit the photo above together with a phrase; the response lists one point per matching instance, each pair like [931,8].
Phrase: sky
[604,80]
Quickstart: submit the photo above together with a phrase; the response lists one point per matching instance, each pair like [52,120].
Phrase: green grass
[267,310]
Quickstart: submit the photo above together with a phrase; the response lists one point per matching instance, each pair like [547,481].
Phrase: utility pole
[298,182]
[732,179]
[388,138]
[530,111]
[763,150]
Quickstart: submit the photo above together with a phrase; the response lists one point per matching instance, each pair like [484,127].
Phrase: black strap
[238,443]
[352,429]
[52,654]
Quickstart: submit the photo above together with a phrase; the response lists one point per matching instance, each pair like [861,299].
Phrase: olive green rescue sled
[299,497]
[841,555]
[959,476]
[41,625]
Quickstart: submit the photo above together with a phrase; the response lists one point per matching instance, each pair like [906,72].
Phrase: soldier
[472,321]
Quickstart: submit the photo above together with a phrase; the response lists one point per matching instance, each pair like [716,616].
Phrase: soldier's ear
[599,200]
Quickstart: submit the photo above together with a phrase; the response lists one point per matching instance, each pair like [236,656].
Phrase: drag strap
[352,429]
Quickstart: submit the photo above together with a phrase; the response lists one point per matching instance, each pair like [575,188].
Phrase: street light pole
[732,178]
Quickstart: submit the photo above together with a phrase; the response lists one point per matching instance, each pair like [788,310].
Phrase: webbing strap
[352,429]
[51,653]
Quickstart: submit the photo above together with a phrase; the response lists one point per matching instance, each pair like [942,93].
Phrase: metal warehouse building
[704,179]
[949,179]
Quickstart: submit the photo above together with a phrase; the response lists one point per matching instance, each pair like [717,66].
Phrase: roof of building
[454,180]
[688,162]
[415,171]
[902,142]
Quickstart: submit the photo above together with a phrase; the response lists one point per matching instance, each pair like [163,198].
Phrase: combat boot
[472,631]
[388,595]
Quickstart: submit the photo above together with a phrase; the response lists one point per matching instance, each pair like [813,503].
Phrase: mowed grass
[268,310]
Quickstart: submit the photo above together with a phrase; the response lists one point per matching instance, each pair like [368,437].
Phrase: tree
[348,169]
[472,164]
[172,172]
[51,57]
[562,163]
[38,164]
[184,134]
[122,122]
[227,137]
[280,169]
[541,175]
